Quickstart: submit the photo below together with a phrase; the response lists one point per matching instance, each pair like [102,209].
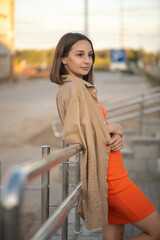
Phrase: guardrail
[110,105]
[14,181]
[14,184]
[135,105]
[147,100]
[134,108]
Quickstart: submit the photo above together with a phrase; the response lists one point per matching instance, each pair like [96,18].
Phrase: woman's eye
[80,54]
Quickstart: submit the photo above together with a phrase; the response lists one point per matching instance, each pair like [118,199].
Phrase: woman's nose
[87,59]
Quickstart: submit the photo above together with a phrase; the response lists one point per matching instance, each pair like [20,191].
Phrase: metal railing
[112,104]
[14,184]
[135,105]
[143,105]
[15,181]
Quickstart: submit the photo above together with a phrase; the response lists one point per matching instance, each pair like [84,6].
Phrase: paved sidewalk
[28,108]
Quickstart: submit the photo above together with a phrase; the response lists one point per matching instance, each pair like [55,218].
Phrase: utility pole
[86,17]
[121,24]
[123,42]
[11,24]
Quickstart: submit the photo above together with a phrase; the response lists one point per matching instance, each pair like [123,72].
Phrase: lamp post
[121,24]
[86,17]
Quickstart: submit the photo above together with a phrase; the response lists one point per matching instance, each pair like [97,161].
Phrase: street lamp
[86,17]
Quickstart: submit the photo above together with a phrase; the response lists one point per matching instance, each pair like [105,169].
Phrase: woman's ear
[64,61]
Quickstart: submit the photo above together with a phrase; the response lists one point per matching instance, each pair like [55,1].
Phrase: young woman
[109,198]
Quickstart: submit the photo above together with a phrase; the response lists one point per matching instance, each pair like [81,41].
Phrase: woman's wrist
[121,135]
[110,128]
[115,128]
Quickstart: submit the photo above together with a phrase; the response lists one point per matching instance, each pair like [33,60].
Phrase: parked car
[30,71]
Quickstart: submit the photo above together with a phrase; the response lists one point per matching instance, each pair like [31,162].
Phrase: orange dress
[126,202]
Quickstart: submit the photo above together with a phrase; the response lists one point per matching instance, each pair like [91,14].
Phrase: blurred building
[6,38]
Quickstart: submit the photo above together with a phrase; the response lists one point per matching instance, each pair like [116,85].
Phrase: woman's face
[79,60]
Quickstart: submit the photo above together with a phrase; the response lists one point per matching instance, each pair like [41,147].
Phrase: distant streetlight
[123,36]
[121,24]
[86,17]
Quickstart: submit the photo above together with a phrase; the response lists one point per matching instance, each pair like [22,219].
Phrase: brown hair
[62,50]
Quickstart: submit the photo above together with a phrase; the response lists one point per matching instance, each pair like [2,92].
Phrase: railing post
[11,195]
[77,217]
[65,181]
[0,174]
[141,109]
[0,179]
[45,188]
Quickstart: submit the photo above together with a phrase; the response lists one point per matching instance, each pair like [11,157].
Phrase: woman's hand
[116,142]
[115,128]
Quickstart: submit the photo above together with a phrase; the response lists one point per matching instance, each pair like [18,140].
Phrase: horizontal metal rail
[125,105]
[112,117]
[50,226]
[14,183]
[133,115]
[118,104]
[149,91]
[132,108]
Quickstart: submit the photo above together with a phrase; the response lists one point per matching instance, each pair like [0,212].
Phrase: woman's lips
[85,68]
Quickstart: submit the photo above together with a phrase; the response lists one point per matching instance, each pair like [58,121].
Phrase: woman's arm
[115,128]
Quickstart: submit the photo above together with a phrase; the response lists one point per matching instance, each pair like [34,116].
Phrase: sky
[39,24]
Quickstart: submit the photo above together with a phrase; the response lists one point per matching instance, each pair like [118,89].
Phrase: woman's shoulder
[70,89]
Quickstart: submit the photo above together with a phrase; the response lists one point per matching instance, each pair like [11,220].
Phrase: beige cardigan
[83,123]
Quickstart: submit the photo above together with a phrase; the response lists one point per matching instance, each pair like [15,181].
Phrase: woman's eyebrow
[79,51]
[83,51]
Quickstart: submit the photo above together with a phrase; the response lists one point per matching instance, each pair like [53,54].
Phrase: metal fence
[137,105]
[132,106]
[13,184]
